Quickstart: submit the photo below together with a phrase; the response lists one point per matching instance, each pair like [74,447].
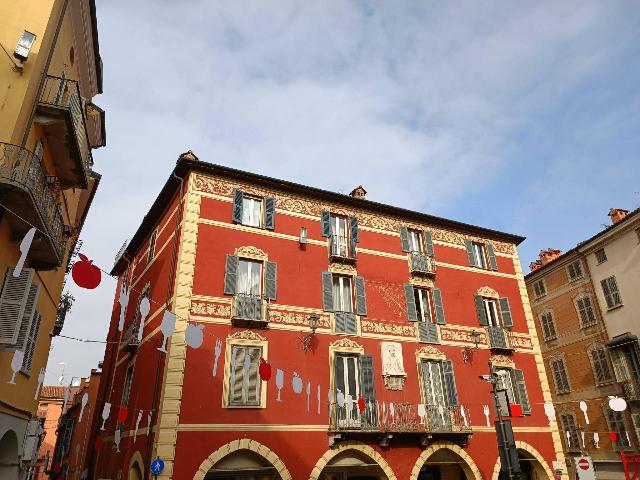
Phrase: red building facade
[407,311]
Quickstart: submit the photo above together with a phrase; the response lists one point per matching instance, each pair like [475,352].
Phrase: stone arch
[136,467]
[352,445]
[470,468]
[244,444]
[9,455]
[533,452]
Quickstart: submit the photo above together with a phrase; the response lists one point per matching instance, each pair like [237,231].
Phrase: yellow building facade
[50,70]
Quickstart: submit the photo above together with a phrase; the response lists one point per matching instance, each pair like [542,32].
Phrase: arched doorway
[352,465]
[9,466]
[445,461]
[243,465]
[532,464]
[135,473]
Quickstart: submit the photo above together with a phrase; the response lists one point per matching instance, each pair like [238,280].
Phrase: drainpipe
[43,78]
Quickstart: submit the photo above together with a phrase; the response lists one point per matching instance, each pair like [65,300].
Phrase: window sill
[245,407]
[551,339]
[589,325]
[615,307]
[576,279]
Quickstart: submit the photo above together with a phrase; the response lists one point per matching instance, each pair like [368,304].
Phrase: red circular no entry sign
[583,464]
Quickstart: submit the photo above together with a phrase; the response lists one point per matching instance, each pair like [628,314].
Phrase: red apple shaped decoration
[123,412]
[98,443]
[361,404]
[264,370]
[613,436]
[85,273]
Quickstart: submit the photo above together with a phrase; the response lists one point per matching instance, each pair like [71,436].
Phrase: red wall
[299,284]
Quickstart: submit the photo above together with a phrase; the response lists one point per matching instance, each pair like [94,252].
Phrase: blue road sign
[157,466]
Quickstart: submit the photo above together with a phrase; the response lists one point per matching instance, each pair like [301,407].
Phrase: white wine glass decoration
[279,382]
[167,327]
[106,410]
[144,308]
[421,412]
[124,301]
[16,364]
[85,399]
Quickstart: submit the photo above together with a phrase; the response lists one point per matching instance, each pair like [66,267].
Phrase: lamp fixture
[23,48]
[467,352]
[307,339]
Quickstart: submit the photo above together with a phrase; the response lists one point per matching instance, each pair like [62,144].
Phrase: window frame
[152,246]
[480,255]
[620,420]
[536,288]
[612,294]
[547,312]
[573,431]
[418,296]
[126,387]
[249,262]
[581,297]
[491,306]
[601,256]
[253,200]
[338,300]
[335,223]
[416,238]
[257,341]
[562,362]
[574,278]
[607,363]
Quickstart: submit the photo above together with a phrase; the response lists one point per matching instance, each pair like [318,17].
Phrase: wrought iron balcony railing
[130,341]
[248,307]
[422,263]
[499,338]
[64,123]
[631,390]
[25,189]
[401,418]
[342,248]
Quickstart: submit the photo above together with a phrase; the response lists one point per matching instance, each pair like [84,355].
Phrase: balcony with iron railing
[499,338]
[130,340]
[249,310]
[399,418]
[61,114]
[631,390]
[422,264]
[342,248]
[26,191]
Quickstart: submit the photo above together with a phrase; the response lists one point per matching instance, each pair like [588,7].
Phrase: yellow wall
[17,97]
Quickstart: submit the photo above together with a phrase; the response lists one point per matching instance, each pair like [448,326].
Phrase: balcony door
[340,232]
[491,310]
[434,395]
[347,381]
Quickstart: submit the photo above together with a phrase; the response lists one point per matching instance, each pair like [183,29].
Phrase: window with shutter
[30,346]
[601,256]
[616,423]
[548,325]
[28,317]
[611,293]
[585,310]
[152,246]
[560,376]
[269,213]
[347,379]
[539,289]
[126,390]
[343,236]
[572,440]
[600,365]
[270,280]
[422,301]
[361,296]
[13,302]
[521,390]
[244,380]
[505,312]
[251,211]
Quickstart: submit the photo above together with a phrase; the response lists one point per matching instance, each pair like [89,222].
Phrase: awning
[622,339]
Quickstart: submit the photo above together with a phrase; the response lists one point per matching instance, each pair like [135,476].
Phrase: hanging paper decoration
[583,407]
[216,353]
[246,366]
[550,411]
[16,364]
[85,399]
[77,452]
[485,410]
[349,401]
[568,435]
[421,412]
[149,418]
[234,353]
[116,440]
[123,412]
[145,307]
[85,474]
[264,370]
[98,443]
[613,436]
[463,412]
[279,382]
[67,394]
[582,435]
[135,433]
[167,327]
[617,404]
[85,273]
[362,406]
[596,440]
[194,335]
[25,245]
[318,399]
[392,410]
[296,383]
[106,410]
[40,382]
[123,300]
[340,398]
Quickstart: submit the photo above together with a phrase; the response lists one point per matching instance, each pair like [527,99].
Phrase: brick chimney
[617,214]
[535,265]
[358,192]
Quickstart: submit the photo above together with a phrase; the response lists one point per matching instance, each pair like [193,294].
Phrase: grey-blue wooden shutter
[269,213]
[231,275]
[325,219]
[470,255]
[361,297]
[346,323]
[352,248]
[523,396]
[353,228]
[428,243]
[30,345]
[327,291]
[505,312]
[482,315]
[450,382]
[270,280]
[438,306]
[367,378]
[338,375]
[428,332]
[13,301]
[237,205]
[492,257]
[404,239]
[412,313]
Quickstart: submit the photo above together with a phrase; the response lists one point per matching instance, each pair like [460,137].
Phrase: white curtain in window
[249,277]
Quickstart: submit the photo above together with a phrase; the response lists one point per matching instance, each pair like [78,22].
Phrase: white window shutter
[13,300]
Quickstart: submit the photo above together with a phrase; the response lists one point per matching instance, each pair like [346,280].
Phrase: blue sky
[518,116]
